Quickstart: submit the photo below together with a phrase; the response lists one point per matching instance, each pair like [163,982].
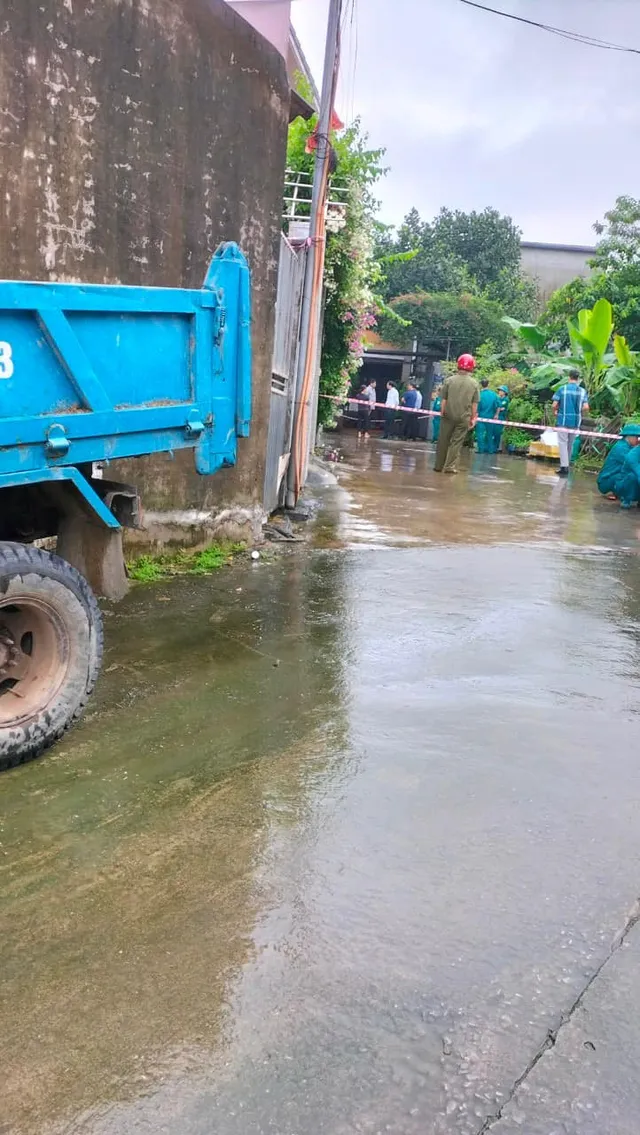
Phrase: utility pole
[314,273]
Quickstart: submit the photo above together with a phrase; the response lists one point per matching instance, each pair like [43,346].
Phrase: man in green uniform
[459,410]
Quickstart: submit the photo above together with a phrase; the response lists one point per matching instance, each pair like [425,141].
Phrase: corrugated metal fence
[283,382]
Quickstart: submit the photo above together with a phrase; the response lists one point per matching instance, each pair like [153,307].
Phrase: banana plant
[589,335]
[530,333]
[622,379]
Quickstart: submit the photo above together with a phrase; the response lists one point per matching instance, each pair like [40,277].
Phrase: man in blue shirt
[410,402]
[568,404]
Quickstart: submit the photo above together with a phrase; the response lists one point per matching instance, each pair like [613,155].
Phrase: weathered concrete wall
[134,136]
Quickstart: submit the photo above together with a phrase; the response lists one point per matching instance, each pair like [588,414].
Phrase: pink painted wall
[272,18]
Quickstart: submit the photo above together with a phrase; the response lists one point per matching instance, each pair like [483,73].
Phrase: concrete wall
[553,265]
[272,18]
[134,136]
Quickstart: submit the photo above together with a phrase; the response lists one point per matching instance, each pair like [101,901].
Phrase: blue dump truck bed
[90,374]
[94,373]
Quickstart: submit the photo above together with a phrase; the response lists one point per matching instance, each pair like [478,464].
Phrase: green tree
[486,242]
[413,233]
[426,271]
[464,253]
[514,292]
[446,323]
[616,277]
[619,246]
[618,287]
[430,269]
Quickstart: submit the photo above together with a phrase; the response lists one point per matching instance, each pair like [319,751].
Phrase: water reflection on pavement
[346,833]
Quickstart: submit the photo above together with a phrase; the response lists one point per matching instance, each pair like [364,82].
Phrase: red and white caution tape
[486,421]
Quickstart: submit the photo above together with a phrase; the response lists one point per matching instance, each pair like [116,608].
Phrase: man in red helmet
[459,411]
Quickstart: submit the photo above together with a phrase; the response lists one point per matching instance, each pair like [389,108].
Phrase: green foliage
[488,359]
[589,335]
[459,253]
[145,569]
[612,378]
[486,242]
[589,462]
[525,409]
[352,273]
[623,295]
[519,439]
[427,270]
[616,277]
[620,233]
[531,335]
[622,379]
[514,357]
[446,323]
[514,292]
[154,568]
[624,355]
[522,409]
[303,87]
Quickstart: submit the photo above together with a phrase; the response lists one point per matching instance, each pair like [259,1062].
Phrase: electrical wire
[563,33]
[349,31]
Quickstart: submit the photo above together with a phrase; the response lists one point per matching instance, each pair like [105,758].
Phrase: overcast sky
[476,110]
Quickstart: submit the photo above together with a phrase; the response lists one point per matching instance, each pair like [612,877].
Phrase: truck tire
[50,650]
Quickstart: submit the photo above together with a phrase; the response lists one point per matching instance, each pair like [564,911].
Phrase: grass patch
[154,568]
[589,462]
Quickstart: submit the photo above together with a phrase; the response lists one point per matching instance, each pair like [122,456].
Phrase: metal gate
[283,381]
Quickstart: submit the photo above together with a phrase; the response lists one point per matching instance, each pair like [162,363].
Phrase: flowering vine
[351,269]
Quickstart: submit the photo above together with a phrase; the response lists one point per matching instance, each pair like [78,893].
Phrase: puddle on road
[390,495]
[129,853]
[342,833]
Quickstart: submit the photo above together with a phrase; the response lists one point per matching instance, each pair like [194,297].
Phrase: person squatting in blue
[487,408]
[619,477]
[615,460]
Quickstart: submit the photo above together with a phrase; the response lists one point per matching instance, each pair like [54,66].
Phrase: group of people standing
[491,404]
[464,406]
[411,400]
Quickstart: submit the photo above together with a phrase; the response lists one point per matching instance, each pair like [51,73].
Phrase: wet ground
[350,841]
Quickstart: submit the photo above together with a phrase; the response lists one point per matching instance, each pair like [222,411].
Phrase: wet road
[350,841]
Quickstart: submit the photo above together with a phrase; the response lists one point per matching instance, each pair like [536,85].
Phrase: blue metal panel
[229,276]
[139,352]
[95,373]
[74,361]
